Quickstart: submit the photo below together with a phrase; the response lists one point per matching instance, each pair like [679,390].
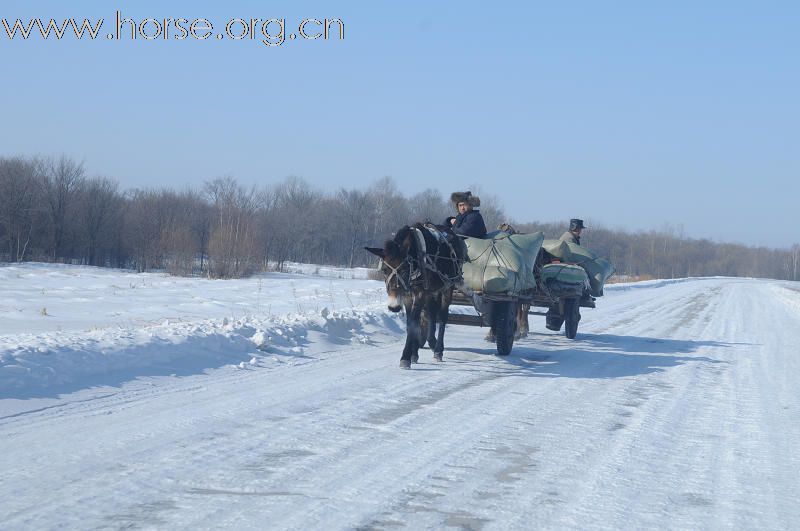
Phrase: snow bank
[68,327]
[69,361]
[57,298]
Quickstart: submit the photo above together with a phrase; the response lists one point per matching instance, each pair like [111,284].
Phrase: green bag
[598,269]
[564,280]
[502,264]
[566,273]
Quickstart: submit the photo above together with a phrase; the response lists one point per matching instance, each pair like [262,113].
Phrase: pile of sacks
[597,269]
[503,263]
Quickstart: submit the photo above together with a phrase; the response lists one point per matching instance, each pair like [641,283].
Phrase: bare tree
[63,179]
[293,220]
[19,205]
[428,205]
[390,208]
[232,241]
[100,207]
[149,219]
[200,222]
[491,208]
[355,213]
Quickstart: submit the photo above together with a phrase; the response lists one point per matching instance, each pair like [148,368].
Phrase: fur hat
[465,197]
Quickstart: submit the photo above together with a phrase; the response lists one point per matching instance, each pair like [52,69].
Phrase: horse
[421,267]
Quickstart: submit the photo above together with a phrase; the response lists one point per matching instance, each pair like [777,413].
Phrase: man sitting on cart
[573,235]
[469,221]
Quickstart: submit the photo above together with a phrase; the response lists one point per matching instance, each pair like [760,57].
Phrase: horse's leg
[424,323]
[411,349]
[443,313]
[416,310]
[433,309]
[526,327]
[525,319]
[522,321]
[405,359]
[490,337]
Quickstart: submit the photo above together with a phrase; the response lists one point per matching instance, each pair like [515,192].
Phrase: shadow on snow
[596,356]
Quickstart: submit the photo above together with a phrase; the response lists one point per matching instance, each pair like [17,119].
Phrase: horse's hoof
[438,357]
[405,364]
[415,358]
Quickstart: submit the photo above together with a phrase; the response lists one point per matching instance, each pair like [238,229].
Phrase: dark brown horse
[420,268]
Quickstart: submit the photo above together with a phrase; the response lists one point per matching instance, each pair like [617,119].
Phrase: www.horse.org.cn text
[267,31]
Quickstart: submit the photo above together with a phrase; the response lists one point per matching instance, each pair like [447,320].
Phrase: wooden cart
[502,313]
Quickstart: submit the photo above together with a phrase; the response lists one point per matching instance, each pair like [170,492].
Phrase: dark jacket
[469,224]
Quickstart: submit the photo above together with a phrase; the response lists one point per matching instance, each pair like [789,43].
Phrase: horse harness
[419,269]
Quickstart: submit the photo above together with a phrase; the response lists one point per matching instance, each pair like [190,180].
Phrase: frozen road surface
[678,406]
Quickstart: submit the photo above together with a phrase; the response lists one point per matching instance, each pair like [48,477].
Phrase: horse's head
[397,265]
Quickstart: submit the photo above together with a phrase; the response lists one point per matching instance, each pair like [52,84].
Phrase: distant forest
[50,211]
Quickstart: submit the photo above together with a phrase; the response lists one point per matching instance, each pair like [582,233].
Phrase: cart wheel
[504,317]
[572,316]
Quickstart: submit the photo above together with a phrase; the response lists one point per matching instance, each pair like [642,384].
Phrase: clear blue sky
[629,114]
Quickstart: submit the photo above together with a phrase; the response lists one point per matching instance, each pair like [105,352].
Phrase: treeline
[51,211]
[669,254]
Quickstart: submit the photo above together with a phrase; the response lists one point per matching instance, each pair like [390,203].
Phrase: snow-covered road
[678,406]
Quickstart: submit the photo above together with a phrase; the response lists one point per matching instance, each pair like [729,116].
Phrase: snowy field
[148,401]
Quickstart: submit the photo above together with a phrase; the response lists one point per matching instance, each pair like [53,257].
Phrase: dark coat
[469,224]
